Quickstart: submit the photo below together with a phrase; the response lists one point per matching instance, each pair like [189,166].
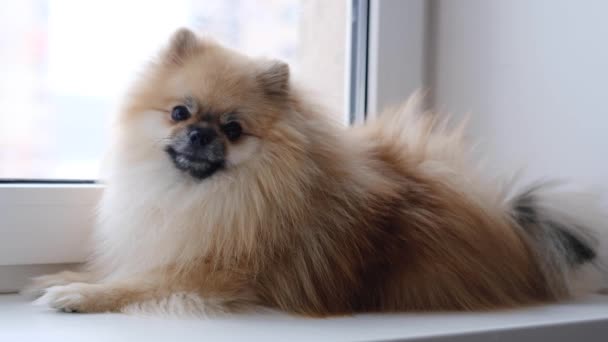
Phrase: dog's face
[204,108]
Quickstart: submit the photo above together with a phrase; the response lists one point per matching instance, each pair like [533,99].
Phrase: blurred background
[66,63]
[531,74]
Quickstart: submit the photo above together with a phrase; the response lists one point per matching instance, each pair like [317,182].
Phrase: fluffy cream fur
[305,216]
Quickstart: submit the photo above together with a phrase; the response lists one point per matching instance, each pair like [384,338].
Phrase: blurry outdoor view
[65,64]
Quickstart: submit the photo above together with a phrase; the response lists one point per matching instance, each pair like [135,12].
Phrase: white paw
[66,298]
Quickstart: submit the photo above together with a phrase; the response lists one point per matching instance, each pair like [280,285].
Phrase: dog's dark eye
[180,113]
[232,130]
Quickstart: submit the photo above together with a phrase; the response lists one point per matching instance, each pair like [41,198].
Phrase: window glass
[65,64]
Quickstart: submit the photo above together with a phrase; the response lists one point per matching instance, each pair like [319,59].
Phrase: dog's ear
[274,78]
[181,45]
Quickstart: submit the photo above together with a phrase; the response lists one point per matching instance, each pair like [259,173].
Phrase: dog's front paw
[75,297]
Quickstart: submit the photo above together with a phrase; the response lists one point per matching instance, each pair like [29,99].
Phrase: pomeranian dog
[227,191]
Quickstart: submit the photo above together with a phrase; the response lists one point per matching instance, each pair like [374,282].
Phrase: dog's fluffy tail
[568,232]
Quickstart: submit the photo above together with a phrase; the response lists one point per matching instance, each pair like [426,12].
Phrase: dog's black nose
[201,136]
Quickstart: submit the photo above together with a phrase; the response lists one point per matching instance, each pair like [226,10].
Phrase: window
[65,65]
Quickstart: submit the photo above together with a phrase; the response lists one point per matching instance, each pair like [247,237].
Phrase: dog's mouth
[196,166]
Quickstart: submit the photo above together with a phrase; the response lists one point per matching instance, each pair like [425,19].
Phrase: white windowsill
[584,320]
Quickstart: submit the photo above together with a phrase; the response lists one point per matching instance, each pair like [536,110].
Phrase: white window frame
[43,226]
[390,54]
[357,50]
[400,56]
